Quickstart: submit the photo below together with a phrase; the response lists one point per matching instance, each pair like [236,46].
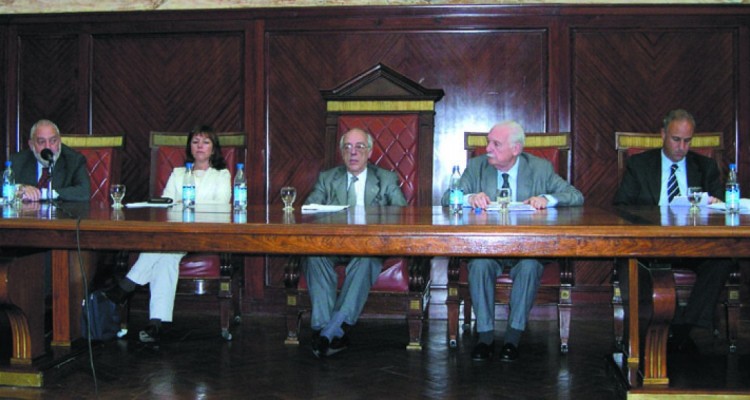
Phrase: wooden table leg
[61,335]
[22,295]
[656,313]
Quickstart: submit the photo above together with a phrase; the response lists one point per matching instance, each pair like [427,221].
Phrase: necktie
[506,184]
[672,189]
[44,179]
[351,193]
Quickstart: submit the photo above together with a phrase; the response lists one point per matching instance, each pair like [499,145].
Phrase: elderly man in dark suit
[533,181]
[654,177]
[70,181]
[356,183]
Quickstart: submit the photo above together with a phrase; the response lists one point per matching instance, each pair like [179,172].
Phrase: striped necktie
[44,179]
[351,192]
[673,190]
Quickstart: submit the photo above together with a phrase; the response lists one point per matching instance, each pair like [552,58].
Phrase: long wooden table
[585,232]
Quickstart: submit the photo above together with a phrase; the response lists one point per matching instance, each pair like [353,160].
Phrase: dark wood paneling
[628,80]
[168,82]
[487,77]
[590,70]
[48,82]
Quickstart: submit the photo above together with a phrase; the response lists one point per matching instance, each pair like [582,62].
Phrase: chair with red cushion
[557,278]
[102,161]
[399,114]
[709,144]
[201,274]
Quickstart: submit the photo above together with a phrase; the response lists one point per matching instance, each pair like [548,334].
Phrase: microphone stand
[50,198]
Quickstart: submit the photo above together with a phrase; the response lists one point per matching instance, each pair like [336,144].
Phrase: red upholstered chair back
[168,152]
[554,147]
[102,161]
[709,144]
[395,145]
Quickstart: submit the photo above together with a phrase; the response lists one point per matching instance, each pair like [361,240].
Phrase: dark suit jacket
[381,188]
[641,182]
[69,176]
[535,177]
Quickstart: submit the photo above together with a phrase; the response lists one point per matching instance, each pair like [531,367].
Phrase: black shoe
[150,334]
[509,353]
[117,295]
[320,345]
[338,345]
[483,351]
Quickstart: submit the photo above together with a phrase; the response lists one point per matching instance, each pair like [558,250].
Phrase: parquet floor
[194,363]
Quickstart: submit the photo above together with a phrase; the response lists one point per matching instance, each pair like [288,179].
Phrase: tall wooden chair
[399,114]
[103,155]
[709,144]
[201,274]
[557,278]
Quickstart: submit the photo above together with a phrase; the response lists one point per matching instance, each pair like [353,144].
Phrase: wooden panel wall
[589,70]
[483,76]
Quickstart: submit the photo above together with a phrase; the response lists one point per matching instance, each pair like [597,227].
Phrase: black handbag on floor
[103,315]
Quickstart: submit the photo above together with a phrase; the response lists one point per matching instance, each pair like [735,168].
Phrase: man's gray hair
[43,122]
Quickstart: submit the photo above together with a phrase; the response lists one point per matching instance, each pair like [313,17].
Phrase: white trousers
[160,271]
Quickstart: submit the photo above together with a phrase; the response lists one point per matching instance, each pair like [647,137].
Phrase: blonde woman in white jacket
[161,270]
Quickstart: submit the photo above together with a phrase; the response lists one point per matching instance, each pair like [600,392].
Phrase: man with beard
[70,181]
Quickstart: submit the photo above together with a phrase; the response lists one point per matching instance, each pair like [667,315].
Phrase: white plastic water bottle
[732,195]
[240,188]
[456,193]
[9,184]
[188,187]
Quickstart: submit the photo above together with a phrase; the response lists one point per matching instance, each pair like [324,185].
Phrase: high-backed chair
[102,161]
[709,144]
[557,278]
[201,274]
[399,114]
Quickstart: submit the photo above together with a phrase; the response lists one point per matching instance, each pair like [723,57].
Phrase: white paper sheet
[514,206]
[321,208]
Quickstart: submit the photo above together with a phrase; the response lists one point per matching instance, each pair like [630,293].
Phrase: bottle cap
[188,165]
[240,165]
[7,163]
[732,165]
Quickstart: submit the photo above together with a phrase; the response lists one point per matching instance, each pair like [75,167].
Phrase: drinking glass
[18,198]
[503,198]
[117,191]
[695,193]
[288,195]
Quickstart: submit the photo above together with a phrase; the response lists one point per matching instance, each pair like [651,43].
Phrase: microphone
[47,156]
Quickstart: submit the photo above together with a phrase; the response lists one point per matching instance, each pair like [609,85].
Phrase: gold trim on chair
[473,140]
[89,141]
[634,140]
[379,105]
[178,139]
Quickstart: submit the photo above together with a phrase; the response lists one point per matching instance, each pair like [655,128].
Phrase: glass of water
[288,195]
[117,191]
[695,193]
[503,198]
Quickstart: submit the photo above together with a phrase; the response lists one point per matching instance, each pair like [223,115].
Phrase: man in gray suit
[70,180]
[533,181]
[356,183]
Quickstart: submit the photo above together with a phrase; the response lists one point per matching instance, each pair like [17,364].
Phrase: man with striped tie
[655,177]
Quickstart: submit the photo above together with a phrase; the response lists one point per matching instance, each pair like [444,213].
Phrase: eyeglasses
[358,147]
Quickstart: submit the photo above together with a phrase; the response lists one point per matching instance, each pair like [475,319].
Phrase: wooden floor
[194,363]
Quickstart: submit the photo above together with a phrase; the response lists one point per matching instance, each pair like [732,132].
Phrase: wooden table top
[567,231]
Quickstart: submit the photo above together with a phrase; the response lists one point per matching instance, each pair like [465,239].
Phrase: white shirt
[680,174]
[211,186]
[359,186]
